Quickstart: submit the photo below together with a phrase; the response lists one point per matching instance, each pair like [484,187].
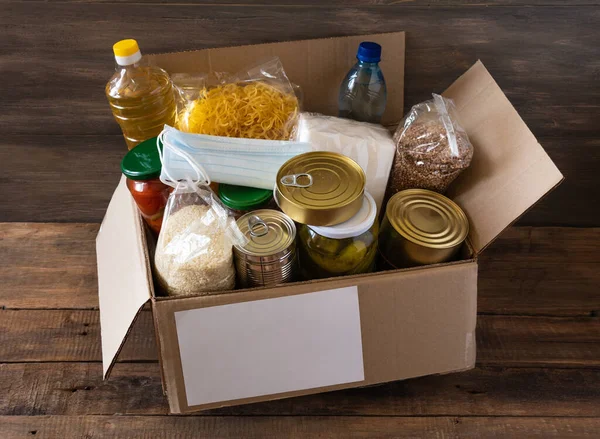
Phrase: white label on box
[270,346]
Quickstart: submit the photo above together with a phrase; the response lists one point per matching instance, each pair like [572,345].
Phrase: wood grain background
[538,334]
[537,374]
[60,148]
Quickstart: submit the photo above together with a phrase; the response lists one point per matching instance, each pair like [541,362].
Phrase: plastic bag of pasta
[258,103]
[432,148]
[187,88]
[194,253]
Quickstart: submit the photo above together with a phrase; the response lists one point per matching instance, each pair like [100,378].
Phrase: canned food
[320,188]
[421,227]
[348,248]
[269,257]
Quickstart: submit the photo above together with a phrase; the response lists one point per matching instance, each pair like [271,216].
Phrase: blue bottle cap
[369,52]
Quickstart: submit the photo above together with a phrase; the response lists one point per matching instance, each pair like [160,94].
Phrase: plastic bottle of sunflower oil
[141,97]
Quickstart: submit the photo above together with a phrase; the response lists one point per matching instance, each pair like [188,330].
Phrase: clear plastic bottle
[141,97]
[363,93]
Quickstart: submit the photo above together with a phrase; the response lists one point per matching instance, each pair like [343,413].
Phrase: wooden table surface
[538,334]
[537,374]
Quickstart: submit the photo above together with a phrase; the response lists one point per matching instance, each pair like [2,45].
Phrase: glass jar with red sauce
[142,168]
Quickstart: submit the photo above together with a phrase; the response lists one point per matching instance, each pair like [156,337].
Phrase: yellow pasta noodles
[254,111]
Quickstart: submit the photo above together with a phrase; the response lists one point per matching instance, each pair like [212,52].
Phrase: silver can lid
[269,232]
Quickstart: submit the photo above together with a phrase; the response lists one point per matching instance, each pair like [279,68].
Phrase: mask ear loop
[202,178]
[201,174]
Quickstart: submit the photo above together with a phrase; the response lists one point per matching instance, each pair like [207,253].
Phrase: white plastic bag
[194,253]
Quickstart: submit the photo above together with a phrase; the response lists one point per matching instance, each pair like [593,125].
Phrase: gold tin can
[421,227]
[320,188]
[269,257]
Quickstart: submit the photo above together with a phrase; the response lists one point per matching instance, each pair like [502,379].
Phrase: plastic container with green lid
[141,165]
[241,200]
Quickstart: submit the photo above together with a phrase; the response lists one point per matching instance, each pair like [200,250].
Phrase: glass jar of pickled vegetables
[347,248]
[142,167]
[241,200]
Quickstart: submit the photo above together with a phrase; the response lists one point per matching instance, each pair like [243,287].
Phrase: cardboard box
[310,337]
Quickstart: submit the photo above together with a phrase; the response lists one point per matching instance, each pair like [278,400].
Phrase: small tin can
[420,227]
[320,188]
[269,257]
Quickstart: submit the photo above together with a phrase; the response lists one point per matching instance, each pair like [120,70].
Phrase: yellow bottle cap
[125,48]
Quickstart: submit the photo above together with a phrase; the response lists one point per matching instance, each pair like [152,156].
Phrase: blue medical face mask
[243,162]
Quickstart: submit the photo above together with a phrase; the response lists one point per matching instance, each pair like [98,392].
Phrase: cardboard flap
[124,278]
[317,66]
[509,172]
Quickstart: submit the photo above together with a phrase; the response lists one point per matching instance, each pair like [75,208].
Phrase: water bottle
[363,93]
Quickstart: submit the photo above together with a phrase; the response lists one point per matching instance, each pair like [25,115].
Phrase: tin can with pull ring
[269,257]
[320,188]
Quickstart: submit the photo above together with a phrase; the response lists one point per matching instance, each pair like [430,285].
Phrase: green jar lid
[142,162]
[243,198]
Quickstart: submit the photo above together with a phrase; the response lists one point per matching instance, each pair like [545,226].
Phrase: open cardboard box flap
[509,172]
[124,277]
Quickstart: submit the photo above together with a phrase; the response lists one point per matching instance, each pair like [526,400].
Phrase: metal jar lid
[427,218]
[270,233]
[320,188]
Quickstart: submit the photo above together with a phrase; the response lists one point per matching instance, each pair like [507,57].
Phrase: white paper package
[370,145]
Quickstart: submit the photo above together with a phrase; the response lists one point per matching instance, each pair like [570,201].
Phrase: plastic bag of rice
[432,148]
[194,253]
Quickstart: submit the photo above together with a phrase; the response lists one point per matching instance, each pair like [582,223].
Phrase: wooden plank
[549,271]
[42,335]
[66,335]
[48,265]
[530,50]
[534,341]
[84,172]
[166,427]
[33,389]
[71,179]
[552,271]
[347,3]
